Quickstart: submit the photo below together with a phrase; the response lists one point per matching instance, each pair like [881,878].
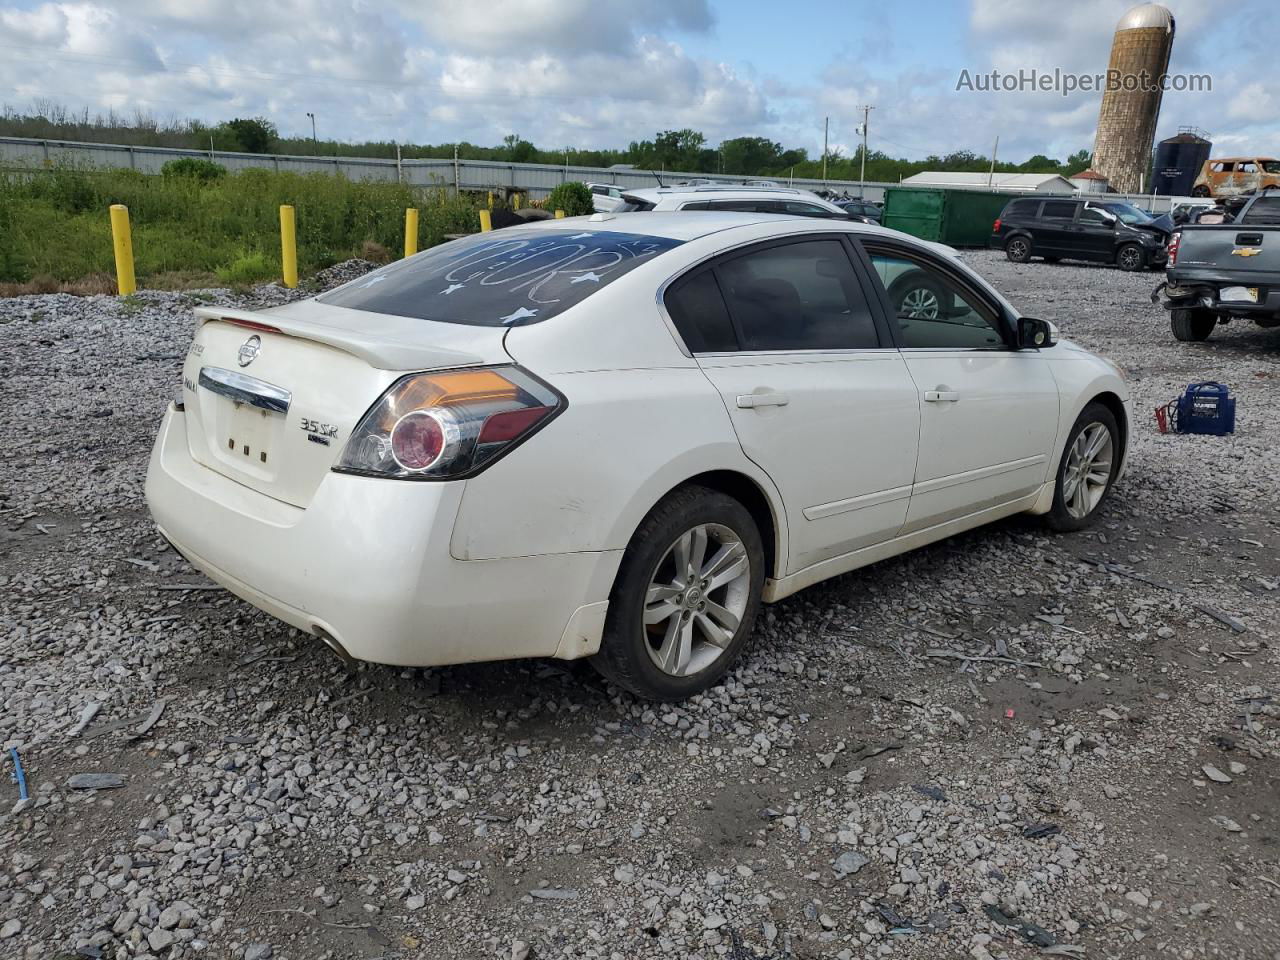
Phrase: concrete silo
[1131,101]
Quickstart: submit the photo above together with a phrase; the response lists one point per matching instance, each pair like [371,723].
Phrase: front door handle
[941,396]
[749,401]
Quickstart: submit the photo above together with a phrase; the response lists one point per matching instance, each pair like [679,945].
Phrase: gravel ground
[1099,780]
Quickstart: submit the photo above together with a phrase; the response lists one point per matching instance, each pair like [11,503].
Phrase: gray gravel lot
[1101,781]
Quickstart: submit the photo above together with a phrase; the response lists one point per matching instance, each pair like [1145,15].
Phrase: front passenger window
[933,311]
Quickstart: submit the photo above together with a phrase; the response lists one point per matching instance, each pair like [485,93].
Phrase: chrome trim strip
[982,473]
[837,507]
[243,389]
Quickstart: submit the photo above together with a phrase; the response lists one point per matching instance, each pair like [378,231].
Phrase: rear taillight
[1174,240]
[448,424]
[995,227]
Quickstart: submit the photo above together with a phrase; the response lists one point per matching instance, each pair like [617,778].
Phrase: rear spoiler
[377,346]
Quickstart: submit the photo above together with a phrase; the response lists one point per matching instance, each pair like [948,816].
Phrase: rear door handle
[941,396]
[749,401]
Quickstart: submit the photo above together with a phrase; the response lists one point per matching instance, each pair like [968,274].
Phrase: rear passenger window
[1058,210]
[698,311]
[797,296]
[737,206]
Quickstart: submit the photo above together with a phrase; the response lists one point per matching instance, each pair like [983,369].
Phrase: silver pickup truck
[1221,271]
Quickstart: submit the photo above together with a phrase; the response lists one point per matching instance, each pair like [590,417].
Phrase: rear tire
[654,603]
[1018,249]
[1086,470]
[1200,191]
[1192,325]
[1130,258]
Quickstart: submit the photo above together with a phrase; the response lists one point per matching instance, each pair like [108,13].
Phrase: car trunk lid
[272,396]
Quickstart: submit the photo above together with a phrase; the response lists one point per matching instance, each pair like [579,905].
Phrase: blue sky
[604,72]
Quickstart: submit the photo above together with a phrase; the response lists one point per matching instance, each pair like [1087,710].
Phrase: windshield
[1126,212]
[506,278]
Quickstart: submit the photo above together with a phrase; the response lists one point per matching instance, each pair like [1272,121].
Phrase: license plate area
[245,438]
[1239,295]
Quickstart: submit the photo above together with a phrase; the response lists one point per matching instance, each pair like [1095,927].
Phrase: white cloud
[592,73]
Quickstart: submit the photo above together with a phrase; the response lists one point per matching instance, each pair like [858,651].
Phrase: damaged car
[1222,271]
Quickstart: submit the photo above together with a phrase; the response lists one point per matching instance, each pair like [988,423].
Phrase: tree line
[684,150]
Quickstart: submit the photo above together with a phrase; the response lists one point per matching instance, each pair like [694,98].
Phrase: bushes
[196,168]
[573,198]
[56,224]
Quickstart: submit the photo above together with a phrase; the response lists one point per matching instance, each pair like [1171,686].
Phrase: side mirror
[1034,334]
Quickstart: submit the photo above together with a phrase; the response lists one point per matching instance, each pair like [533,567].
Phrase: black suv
[1109,231]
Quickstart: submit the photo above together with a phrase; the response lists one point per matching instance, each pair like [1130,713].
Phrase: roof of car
[719,190]
[678,225]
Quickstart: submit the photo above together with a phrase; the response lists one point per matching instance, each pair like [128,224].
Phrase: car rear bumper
[368,564]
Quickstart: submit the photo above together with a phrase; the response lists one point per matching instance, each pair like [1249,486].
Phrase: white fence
[534,179]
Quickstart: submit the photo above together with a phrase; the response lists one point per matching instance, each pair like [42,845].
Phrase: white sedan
[614,437]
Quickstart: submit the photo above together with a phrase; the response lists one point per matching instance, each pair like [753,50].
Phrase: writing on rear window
[500,279]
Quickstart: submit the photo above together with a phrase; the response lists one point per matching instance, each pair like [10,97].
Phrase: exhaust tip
[331,642]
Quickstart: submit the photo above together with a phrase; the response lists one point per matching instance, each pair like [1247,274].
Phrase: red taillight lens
[503,427]
[251,324]
[418,439]
[995,227]
[448,424]
[1174,241]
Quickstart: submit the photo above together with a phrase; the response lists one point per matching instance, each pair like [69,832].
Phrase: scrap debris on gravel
[1009,744]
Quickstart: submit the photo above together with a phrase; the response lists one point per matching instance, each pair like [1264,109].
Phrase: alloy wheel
[1130,257]
[1088,470]
[920,303]
[696,599]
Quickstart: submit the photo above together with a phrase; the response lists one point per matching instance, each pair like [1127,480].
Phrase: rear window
[1265,211]
[1020,208]
[500,279]
[633,204]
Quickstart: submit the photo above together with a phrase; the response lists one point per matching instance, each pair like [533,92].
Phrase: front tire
[1018,249]
[1192,325]
[1130,257]
[1087,469]
[685,598]
[918,297]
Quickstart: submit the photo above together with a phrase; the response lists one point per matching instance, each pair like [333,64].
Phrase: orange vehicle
[1236,176]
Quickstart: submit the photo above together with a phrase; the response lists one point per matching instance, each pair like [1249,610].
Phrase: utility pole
[315,144]
[992,172]
[826,127]
[862,177]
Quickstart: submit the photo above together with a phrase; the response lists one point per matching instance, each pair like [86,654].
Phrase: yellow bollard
[516,201]
[288,246]
[490,199]
[486,221]
[122,241]
[410,231]
[559,214]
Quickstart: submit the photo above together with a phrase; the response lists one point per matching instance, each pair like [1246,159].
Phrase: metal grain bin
[959,218]
[1179,161]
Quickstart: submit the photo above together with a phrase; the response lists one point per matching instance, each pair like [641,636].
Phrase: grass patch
[54,224]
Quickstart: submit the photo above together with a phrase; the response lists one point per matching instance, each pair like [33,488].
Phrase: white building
[1004,182]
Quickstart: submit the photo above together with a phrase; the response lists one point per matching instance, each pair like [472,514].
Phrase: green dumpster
[959,218]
